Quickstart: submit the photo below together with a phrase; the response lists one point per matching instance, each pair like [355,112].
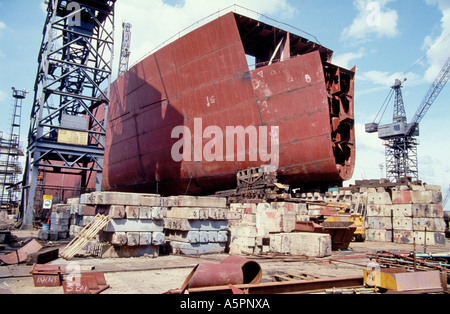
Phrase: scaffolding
[10,153]
[68,118]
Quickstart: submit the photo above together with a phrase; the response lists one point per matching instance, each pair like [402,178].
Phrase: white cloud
[2,27]
[3,96]
[373,19]
[388,79]
[345,60]
[438,48]
[154,22]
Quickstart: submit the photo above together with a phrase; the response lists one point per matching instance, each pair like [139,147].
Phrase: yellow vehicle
[344,215]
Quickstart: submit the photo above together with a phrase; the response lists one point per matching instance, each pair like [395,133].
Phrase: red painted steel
[205,74]
[233,270]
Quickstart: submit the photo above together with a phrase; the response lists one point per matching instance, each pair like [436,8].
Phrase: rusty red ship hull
[205,75]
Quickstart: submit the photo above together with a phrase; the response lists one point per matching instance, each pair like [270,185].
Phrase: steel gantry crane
[400,137]
[68,118]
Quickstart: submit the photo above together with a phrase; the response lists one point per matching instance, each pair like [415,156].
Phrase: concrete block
[54,235]
[201,225]
[133,238]
[401,197]
[192,236]
[436,197]
[377,211]
[119,238]
[193,201]
[204,237]
[415,187]
[249,208]
[44,235]
[304,244]
[430,187]
[377,198]
[430,238]
[378,235]
[159,213]
[402,223]
[233,216]
[73,201]
[61,208]
[75,209]
[379,223]
[243,231]
[85,220]
[244,242]
[404,236]
[212,236]
[125,199]
[86,210]
[434,211]
[145,213]
[127,225]
[60,215]
[274,222]
[402,210]
[184,213]
[117,212]
[431,224]
[198,249]
[132,212]
[133,251]
[158,238]
[237,249]
[422,197]
[222,236]
[145,238]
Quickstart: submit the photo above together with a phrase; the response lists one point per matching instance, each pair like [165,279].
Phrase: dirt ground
[157,275]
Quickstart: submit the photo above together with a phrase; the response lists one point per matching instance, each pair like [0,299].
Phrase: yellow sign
[73,137]
[48,202]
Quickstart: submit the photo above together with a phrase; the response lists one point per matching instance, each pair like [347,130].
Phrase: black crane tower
[10,152]
[71,96]
[400,137]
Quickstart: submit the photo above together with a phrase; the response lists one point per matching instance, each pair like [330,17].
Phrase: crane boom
[446,197]
[431,96]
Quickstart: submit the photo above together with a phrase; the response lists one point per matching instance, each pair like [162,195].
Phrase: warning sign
[73,137]
[48,202]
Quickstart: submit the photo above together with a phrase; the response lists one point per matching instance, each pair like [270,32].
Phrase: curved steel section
[233,270]
[204,76]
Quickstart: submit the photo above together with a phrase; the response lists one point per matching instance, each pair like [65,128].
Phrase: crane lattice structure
[71,95]
[125,52]
[400,137]
[446,197]
[11,151]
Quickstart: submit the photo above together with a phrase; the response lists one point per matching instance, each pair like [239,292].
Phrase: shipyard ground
[147,275]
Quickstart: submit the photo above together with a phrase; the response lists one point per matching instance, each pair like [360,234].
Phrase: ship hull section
[204,77]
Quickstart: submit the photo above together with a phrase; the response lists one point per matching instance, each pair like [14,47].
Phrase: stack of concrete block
[197,225]
[59,224]
[136,227]
[301,244]
[259,221]
[421,215]
[412,213]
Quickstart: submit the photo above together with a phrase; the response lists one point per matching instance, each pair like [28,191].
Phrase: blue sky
[385,39]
